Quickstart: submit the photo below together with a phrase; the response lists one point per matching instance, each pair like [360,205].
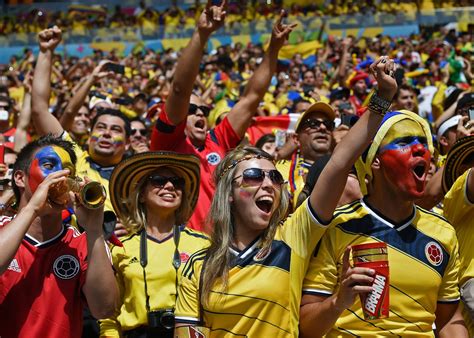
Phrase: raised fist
[49,38]
[383,70]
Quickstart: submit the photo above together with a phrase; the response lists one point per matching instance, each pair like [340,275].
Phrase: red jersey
[219,141]
[41,291]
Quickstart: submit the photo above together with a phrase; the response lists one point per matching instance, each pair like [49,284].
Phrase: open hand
[49,38]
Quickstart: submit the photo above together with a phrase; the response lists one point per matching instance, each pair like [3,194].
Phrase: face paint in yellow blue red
[405,158]
[48,160]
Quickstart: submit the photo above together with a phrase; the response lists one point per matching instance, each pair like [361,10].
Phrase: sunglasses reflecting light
[142,132]
[256,176]
[159,181]
[316,124]
[193,108]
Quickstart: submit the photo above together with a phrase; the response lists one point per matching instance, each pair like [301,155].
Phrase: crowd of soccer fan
[234,187]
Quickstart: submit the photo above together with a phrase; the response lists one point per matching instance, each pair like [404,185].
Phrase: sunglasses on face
[316,124]
[256,176]
[193,108]
[159,181]
[142,132]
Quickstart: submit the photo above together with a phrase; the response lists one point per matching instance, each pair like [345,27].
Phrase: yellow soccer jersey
[295,172]
[160,274]
[459,211]
[86,167]
[264,291]
[423,269]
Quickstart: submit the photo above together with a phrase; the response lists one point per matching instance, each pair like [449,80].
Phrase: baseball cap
[319,107]
[449,123]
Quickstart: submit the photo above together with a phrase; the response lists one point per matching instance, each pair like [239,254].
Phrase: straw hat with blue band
[130,172]
[364,163]
[461,153]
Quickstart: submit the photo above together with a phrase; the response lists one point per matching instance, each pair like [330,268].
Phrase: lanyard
[144,260]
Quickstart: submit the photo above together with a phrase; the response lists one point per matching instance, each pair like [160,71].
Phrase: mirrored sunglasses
[159,181]
[256,176]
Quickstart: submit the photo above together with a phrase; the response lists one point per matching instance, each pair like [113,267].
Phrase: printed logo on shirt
[434,253]
[184,257]
[213,158]
[133,260]
[66,267]
[14,266]
[262,254]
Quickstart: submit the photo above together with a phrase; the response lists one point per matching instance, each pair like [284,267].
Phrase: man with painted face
[110,129]
[47,269]
[182,126]
[422,247]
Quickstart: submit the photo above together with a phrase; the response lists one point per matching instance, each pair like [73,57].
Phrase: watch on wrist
[378,104]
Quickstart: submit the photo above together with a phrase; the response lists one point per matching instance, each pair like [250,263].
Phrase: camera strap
[144,260]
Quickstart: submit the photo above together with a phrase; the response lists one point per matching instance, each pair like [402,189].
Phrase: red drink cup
[375,304]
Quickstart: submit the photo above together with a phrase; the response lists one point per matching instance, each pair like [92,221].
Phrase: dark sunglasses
[193,108]
[255,176]
[142,132]
[316,124]
[159,181]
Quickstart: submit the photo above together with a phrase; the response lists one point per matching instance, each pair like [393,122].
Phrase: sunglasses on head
[256,176]
[316,124]
[159,181]
[142,132]
[193,108]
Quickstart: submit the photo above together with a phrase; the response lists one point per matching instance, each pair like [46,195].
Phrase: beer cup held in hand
[375,304]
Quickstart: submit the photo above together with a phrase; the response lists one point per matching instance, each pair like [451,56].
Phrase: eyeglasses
[193,108]
[142,132]
[316,124]
[256,176]
[159,181]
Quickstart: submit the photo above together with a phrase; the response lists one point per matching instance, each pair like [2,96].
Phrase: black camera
[161,319]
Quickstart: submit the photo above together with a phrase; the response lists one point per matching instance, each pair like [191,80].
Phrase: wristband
[378,104]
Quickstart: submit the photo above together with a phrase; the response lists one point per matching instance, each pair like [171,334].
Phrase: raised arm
[43,121]
[331,183]
[67,119]
[21,133]
[241,114]
[187,69]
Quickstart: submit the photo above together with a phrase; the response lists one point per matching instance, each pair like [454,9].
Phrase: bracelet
[378,104]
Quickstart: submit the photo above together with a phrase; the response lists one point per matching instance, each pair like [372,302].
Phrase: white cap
[449,123]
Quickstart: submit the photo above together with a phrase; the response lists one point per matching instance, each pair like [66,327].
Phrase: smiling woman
[153,194]
[249,241]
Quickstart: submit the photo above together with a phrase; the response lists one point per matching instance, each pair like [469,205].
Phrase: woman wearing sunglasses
[153,194]
[249,281]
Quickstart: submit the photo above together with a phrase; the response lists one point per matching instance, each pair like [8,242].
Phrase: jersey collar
[376,214]
[33,241]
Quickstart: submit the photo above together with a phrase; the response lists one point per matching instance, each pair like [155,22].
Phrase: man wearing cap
[110,129]
[313,136]
[182,125]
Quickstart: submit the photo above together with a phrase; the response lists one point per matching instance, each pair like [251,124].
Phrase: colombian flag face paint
[48,160]
[405,157]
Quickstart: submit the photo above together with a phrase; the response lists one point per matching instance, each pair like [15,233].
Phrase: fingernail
[371,271]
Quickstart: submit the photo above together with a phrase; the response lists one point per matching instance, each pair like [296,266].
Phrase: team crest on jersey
[184,257]
[262,254]
[434,253]
[66,267]
[213,158]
